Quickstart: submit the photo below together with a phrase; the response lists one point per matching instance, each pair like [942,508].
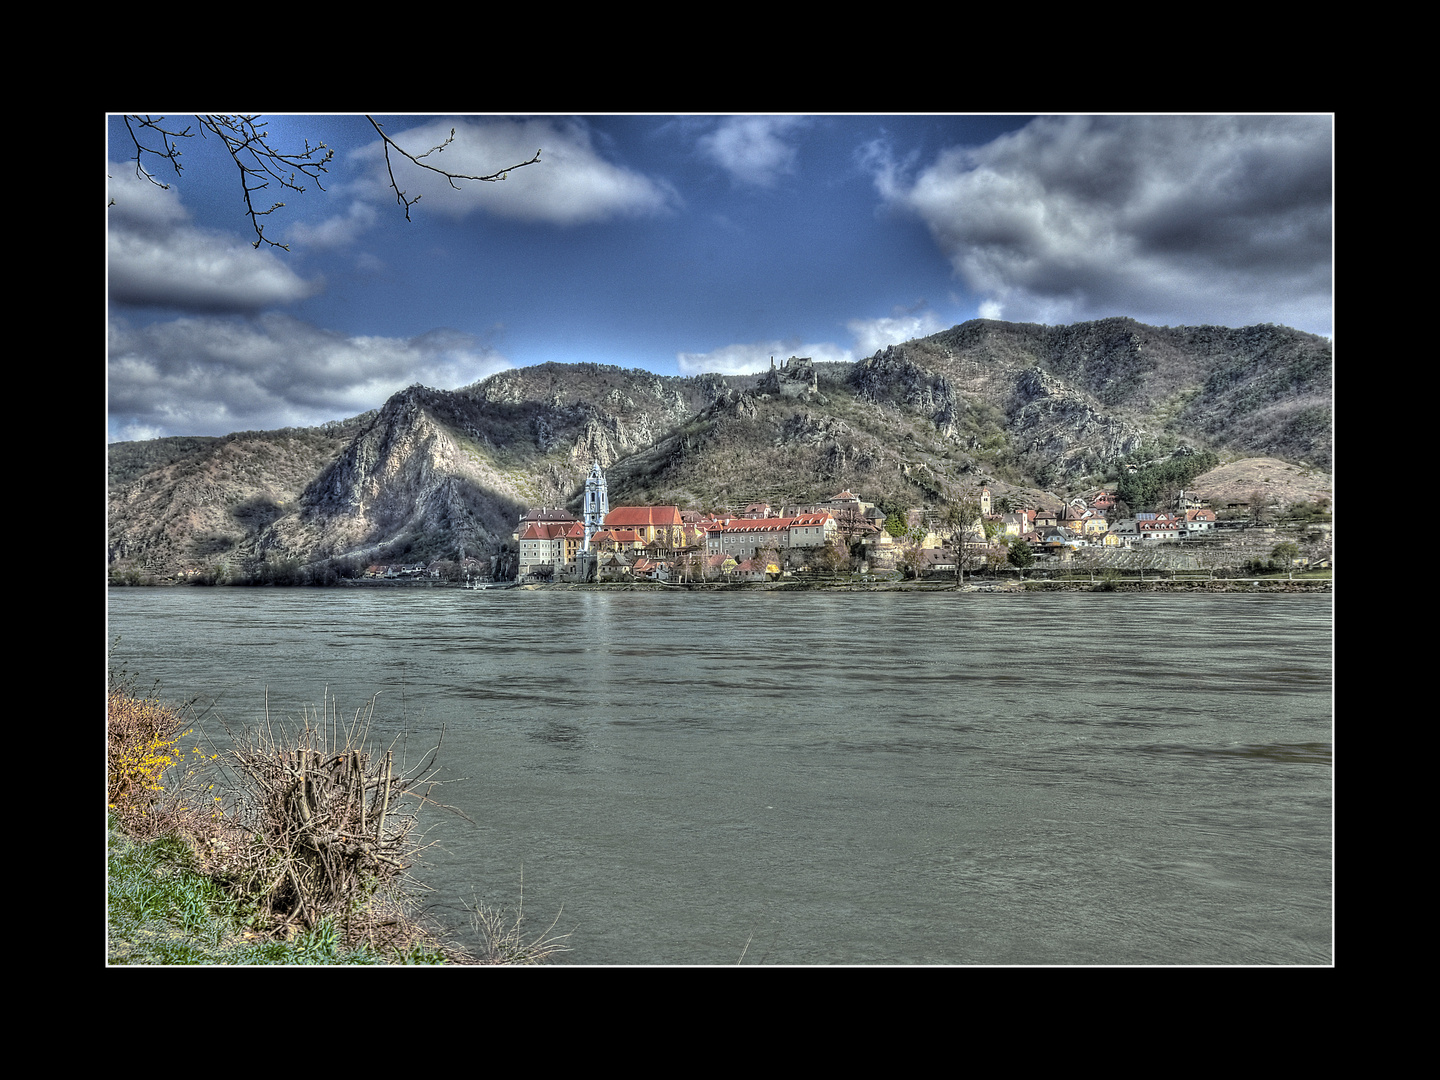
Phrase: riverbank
[1214,585]
[1217,585]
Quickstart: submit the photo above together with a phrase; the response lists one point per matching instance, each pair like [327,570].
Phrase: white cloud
[744,359]
[212,376]
[869,335]
[752,149]
[1169,219]
[570,185]
[133,433]
[875,334]
[157,259]
[334,232]
[141,202]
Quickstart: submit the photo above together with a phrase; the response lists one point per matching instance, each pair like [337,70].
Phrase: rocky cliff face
[893,376]
[459,467]
[409,473]
[1065,429]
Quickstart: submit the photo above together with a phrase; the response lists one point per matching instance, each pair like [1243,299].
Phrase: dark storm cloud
[1169,219]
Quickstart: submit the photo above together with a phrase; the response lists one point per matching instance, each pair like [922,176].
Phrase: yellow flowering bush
[143,738]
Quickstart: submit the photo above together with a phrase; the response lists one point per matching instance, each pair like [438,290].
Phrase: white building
[743,536]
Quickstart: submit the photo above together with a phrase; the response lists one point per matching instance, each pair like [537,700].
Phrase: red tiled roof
[633,516]
[549,530]
[772,524]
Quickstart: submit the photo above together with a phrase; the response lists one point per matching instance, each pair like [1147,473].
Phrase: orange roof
[633,516]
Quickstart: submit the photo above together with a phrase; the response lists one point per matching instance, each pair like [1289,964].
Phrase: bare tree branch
[248,144]
[260,164]
[170,148]
[416,160]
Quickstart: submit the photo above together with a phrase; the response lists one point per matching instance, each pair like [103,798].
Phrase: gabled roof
[550,530]
[547,513]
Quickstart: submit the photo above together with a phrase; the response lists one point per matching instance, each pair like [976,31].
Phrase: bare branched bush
[313,832]
[329,828]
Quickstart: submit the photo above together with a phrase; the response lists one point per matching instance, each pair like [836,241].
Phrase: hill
[1279,482]
[1028,409]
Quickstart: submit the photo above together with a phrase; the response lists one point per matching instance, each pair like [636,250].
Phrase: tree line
[1158,483]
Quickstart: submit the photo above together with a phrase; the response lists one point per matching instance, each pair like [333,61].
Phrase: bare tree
[260,163]
[961,518]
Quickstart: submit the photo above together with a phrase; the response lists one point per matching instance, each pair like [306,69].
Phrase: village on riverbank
[848,542]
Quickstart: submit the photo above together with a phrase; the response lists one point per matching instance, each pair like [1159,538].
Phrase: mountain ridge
[1020,405]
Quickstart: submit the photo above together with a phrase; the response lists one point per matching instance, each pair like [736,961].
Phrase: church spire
[597,503]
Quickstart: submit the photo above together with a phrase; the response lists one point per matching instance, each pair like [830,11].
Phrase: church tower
[597,503]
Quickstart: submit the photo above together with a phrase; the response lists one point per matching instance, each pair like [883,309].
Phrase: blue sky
[683,244]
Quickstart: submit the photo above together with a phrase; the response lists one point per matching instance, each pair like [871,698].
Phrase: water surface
[850,778]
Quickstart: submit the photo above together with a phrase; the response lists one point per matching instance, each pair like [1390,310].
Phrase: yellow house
[650,522]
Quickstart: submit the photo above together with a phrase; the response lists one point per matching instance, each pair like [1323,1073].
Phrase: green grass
[163,911]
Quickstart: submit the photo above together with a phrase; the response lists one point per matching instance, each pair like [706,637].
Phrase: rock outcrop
[1065,427]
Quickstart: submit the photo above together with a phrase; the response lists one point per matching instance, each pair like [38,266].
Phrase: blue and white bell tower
[597,503]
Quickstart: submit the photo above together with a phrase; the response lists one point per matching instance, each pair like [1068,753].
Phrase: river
[824,778]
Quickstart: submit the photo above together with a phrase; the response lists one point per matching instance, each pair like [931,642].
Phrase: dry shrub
[316,830]
[329,827]
[505,941]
